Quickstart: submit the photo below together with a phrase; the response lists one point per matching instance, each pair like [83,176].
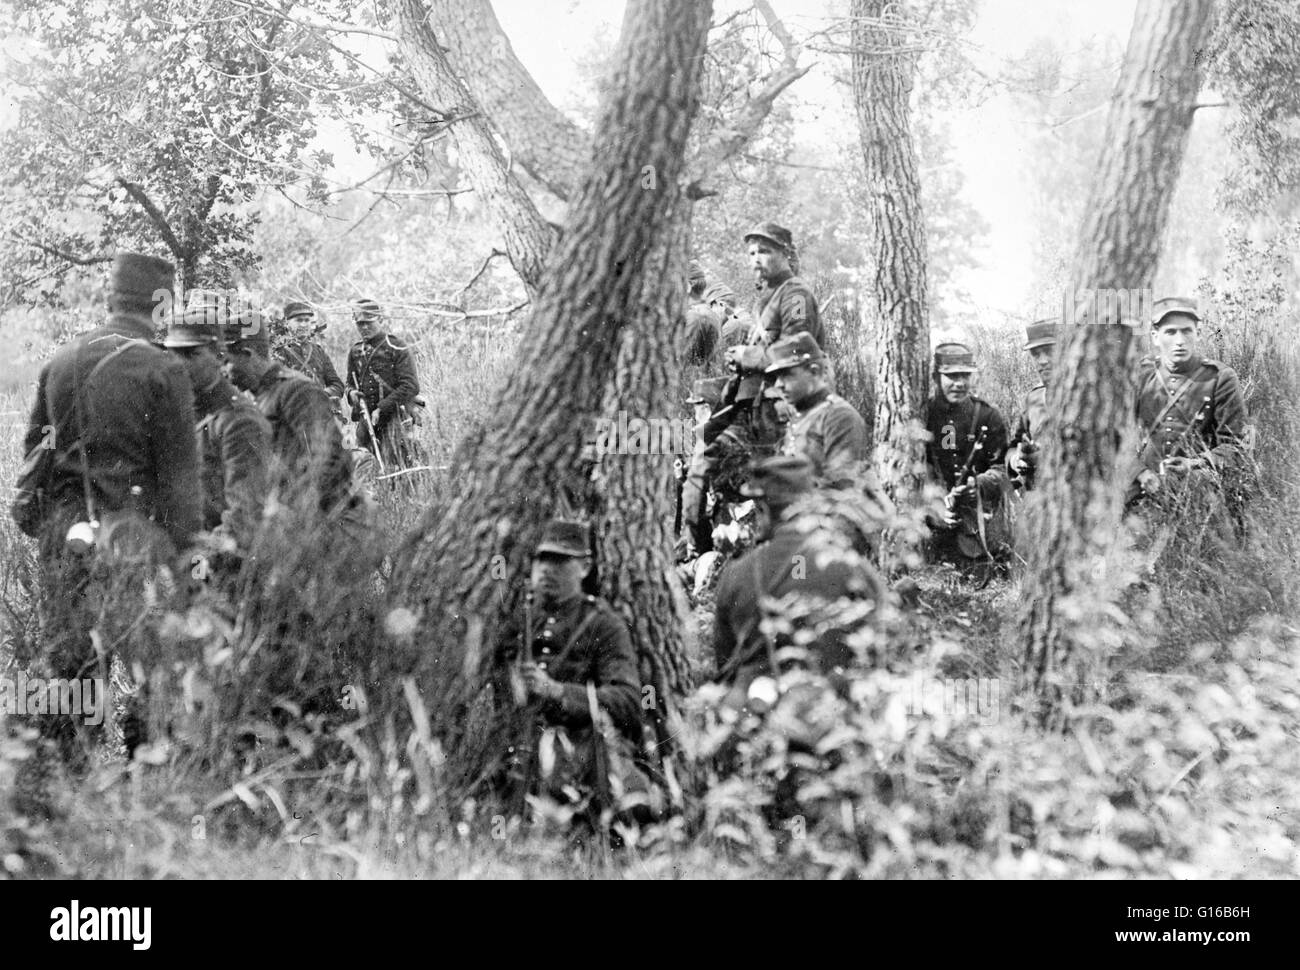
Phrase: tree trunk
[549,147]
[884,67]
[635,537]
[1078,507]
[467,563]
[528,237]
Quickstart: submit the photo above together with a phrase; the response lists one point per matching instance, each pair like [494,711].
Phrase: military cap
[791,351]
[247,329]
[773,234]
[696,272]
[707,391]
[295,309]
[198,326]
[365,309]
[561,538]
[719,293]
[139,276]
[1174,304]
[953,358]
[780,480]
[1042,333]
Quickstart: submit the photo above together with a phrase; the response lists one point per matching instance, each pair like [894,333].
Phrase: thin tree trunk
[1078,506]
[468,562]
[528,237]
[884,67]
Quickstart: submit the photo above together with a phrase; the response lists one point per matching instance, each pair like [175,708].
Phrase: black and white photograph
[661,440]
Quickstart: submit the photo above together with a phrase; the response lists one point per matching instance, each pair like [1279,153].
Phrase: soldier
[382,386]
[567,642]
[827,429]
[695,526]
[1022,454]
[295,346]
[968,441]
[703,323]
[122,494]
[234,439]
[784,564]
[311,471]
[1190,409]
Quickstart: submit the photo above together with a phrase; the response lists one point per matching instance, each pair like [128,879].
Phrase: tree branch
[155,214]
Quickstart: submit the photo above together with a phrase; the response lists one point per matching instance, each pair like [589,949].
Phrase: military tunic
[787,306]
[954,431]
[1207,419]
[310,359]
[601,653]
[309,463]
[830,433]
[384,370]
[235,445]
[783,565]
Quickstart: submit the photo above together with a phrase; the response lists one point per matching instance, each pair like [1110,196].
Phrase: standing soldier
[569,657]
[296,347]
[1022,455]
[968,442]
[121,493]
[827,430]
[234,439]
[382,386]
[1190,410]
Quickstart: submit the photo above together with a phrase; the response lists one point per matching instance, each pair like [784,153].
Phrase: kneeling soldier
[570,658]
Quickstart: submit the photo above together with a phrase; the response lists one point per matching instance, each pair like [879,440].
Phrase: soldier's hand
[1023,464]
[1149,481]
[374,416]
[539,683]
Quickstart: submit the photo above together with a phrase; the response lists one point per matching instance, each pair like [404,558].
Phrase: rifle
[370,426]
[950,500]
[600,755]
[526,733]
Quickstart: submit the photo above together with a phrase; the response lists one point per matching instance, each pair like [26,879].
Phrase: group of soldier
[155,440]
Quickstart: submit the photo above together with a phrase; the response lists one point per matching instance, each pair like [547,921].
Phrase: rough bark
[636,525]
[466,563]
[1091,397]
[884,68]
[543,141]
[528,237]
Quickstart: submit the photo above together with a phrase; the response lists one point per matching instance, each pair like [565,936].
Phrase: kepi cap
[1042,333]
[199,325]
[719,293]
[561,538]
[1174,304]
[953,358]
[296,308]
[772,233]
[791,351]
[365,309]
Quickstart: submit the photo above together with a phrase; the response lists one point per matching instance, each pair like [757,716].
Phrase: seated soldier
[570,650]
[786,563]
[968,441]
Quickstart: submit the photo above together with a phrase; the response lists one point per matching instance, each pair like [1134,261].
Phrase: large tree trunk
[468,564]
[527,235]
[1078,507]
[543,141]
[884,67]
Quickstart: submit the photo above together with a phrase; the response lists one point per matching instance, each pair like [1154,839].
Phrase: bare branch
[482,269]
[155,214]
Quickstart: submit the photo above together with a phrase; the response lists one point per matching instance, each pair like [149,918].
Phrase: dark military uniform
[584,640]
[135,423]
[384,370]
[310,359]
[310,464]
[954,432]
[786,306]
[235,446]
[784,565]
[1206,420]
[830,433]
